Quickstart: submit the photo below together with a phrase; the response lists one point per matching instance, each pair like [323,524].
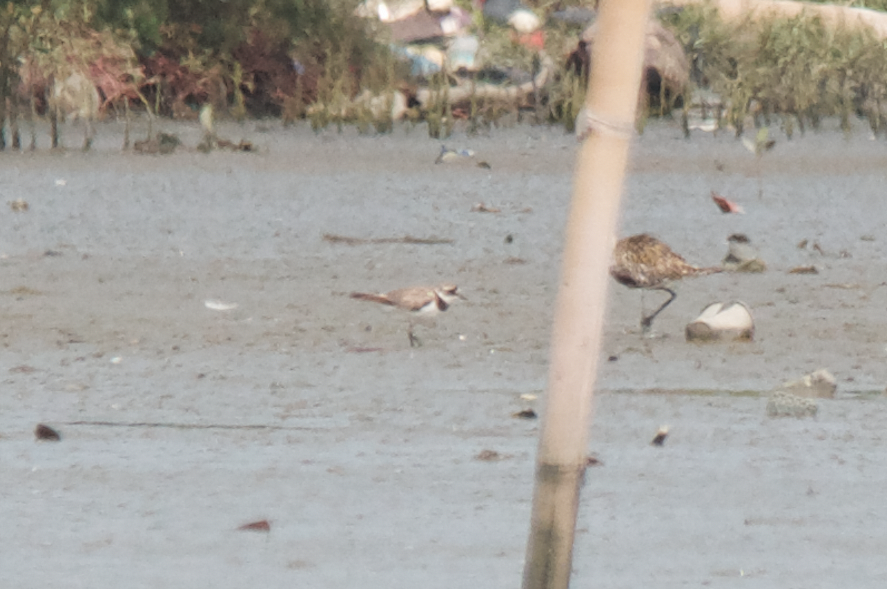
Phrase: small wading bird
[418,300]
[642,261]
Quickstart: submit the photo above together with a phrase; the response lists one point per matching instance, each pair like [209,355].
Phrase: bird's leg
[647,321]
[415,342]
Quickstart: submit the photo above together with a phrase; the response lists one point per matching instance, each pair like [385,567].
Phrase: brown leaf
[259,526]
[804,270]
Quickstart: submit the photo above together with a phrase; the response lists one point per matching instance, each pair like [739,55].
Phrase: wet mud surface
[309,409]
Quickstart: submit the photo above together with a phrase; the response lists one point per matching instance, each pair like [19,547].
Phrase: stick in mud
[614,84]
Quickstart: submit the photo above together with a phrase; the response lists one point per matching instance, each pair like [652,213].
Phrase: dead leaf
[259,526]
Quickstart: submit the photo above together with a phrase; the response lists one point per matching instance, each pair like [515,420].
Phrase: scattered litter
[482,208]
[488,456]
[804,270]
[448,155]
[513,261]
[512,12]
[529,397]
[593,460]
[259,526]
[217,305]
[61,182]
[762,142]
[162,144]
[722,322]
[116,360]
[343,239]
[19,205]
[783,404]
[802,244]
[659,440]
[46,433]
[243,145]
[462,53]
[726,205]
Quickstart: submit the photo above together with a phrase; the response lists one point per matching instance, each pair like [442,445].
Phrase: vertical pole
[617,59]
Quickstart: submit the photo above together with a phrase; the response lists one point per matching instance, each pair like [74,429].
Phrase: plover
[642,261]
[742,255]
[418,300]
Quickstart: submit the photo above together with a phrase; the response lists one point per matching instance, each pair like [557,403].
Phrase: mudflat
[184,322]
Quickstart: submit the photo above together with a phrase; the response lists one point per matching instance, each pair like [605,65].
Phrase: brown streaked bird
[642,261]
[418,300]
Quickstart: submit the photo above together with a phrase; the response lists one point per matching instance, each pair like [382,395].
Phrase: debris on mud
[409,239]
[482,208]
[783,404]
[725,205]
[659,440]
[45,433]
[820,384]
[489,456]
[162,144]
[722,322]
[259,526]
[216,305]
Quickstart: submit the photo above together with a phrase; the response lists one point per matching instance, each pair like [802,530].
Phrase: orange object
[534,40]
[726,206]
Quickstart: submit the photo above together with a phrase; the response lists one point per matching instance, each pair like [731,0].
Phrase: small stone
[819,384]
[783,404]
[46,433]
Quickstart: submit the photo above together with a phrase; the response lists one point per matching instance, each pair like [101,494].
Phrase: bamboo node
[587,121]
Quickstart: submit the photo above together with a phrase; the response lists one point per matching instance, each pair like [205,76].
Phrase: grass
[790,71]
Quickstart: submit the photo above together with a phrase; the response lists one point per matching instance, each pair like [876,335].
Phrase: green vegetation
[795,70]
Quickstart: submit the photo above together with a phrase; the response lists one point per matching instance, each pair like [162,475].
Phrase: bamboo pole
[560,464]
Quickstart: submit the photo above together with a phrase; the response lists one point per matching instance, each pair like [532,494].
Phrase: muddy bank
[311,409]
